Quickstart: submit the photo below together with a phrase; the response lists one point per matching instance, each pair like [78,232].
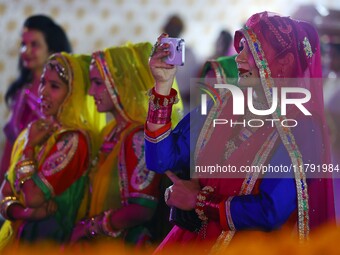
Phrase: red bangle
[223,216]
[159,116]
[202,199]
[212,207]
[158,100]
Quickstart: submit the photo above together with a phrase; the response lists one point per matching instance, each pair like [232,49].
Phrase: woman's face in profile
[248,73]
[34,49]
[52,91]
[99,91]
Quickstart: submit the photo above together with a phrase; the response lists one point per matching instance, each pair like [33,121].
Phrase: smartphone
[177,50]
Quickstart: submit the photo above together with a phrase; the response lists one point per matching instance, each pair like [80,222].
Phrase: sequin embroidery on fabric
[141,177]
[66,149]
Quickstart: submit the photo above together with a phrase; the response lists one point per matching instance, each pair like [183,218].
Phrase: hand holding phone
[176,49]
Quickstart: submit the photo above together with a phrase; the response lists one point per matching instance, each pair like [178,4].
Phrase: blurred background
[96,24]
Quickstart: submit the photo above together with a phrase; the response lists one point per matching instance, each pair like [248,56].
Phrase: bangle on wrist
[5,204]
[25,162]
[24,170]
[157,100]
[160,106]
[160,116]
[223,216]
[107,227]
[212,207]
[100,225]
[202,198]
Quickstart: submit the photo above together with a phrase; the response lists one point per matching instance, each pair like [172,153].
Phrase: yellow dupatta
[76,113]
[127,77]
[105,181]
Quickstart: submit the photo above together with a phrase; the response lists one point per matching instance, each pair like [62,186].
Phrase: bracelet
[25,162]
[5,204]
[157,100]
[223,217]
[159,116]
[24,171]
[202,198]
[212,207]
[107,227]
[100,225]
[160,106]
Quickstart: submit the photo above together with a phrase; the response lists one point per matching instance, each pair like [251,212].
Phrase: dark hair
[226,36]
[56,41]
[223,43]
[174,26]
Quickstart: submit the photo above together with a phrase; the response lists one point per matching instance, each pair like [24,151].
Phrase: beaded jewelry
[59,69]
[100,225]
[106,225]
[24,171]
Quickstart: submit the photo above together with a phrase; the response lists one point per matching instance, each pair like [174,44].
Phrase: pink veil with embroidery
[270,37]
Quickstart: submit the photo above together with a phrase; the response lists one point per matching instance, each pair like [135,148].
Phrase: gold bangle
[23,174]
[25,171]
[5,204]
[25,162]
[202,196]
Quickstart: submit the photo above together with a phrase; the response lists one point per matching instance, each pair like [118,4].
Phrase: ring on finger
[167,193]
[154,48]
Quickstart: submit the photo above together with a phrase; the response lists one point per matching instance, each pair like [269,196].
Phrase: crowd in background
[72,177]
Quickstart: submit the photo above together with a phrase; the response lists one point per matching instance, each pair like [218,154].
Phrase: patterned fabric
[253,202]
[62,161]
[301,40]
[66,148]
[141,177]
[126,72]
[66,181]
[120,177]
[25,109]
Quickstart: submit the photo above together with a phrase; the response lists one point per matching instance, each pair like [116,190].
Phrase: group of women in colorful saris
[67,166]
[72,177]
